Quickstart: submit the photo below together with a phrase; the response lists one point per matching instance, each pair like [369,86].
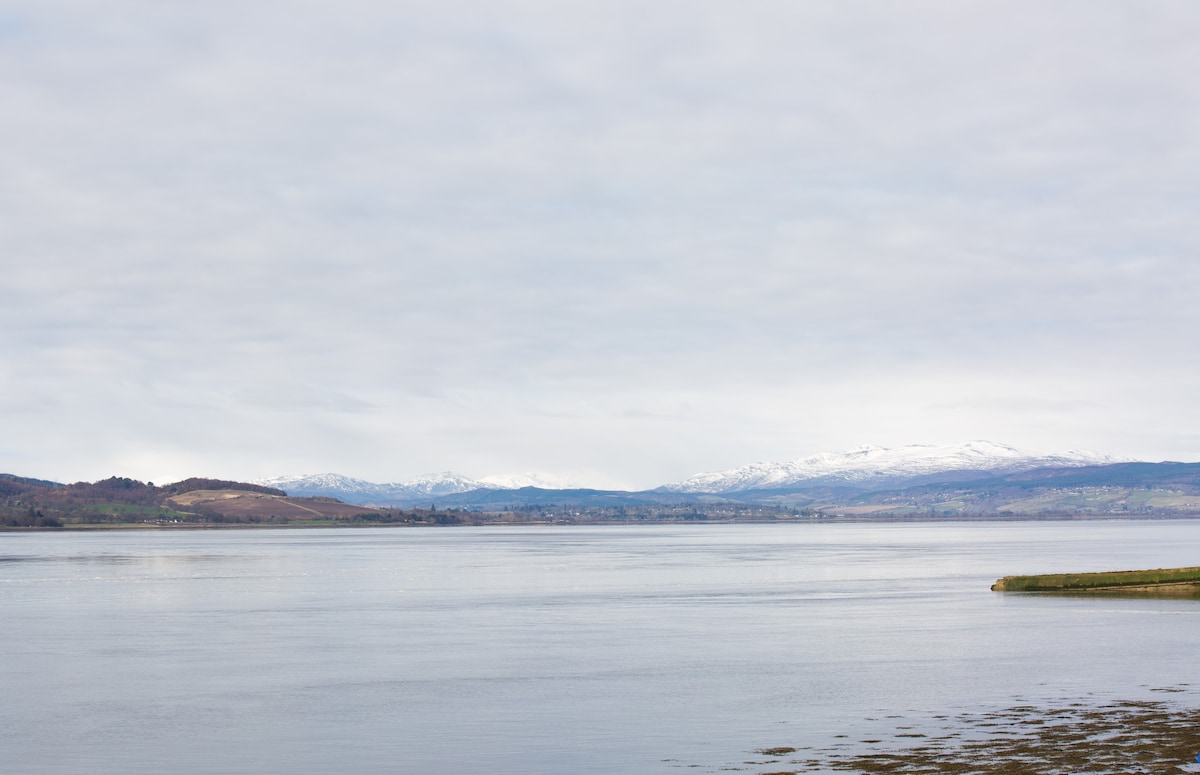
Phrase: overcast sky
[622,241]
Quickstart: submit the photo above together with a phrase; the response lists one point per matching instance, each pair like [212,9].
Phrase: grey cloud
[588,210]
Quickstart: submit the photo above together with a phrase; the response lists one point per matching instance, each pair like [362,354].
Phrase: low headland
[1161,581]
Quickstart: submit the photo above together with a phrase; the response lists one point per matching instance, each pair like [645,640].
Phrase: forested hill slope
[26,502]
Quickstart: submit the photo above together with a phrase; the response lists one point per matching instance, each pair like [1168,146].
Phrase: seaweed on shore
[1115,738]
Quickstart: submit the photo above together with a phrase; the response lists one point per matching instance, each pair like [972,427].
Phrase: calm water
[546,650]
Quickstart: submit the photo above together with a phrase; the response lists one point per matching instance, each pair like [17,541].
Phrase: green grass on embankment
[1062,582]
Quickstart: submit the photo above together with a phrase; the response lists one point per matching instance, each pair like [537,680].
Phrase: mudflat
[1106,738]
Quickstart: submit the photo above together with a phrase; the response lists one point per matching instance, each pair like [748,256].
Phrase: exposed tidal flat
[1083,736]
[648,649]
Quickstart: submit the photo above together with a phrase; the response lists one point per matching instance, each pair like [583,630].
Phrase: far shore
[486,519]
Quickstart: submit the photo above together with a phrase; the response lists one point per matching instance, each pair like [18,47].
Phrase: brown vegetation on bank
[33,503]
[240,505]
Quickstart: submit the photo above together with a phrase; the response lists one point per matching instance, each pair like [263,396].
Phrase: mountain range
[360,491]
[868,465]
[859,470]
[978,479]
[413,491]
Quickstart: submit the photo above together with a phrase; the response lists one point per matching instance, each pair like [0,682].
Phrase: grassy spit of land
[1183,580]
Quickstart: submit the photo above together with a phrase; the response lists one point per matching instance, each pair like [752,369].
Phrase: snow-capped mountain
[538,479]
[366,493]
[868,463]
[413,491]
[863,467]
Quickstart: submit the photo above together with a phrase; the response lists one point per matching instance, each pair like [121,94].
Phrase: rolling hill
[26,502]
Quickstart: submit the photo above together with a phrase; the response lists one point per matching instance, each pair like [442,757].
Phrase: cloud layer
[257,238]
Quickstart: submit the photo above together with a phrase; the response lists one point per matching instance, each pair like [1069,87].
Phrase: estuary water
[616,649]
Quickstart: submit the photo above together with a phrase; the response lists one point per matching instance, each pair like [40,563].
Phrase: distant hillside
[230,505]
[874,467]
[526,497]
[413,492]
[1115,489]
[837,474]
[13,488]
[1119,489]
[977,480]
[26,502]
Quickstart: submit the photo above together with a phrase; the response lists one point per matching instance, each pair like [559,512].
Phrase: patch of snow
[866,463]
[363,492]
[542,480]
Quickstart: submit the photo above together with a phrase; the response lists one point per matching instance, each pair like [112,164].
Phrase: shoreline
[1166,581]
[1087,734]
[800,520]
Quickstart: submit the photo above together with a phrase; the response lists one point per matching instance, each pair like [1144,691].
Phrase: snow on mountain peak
[870,462]
[443,483]
[537,479]
[857,465]
[369,493]
[330,481]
